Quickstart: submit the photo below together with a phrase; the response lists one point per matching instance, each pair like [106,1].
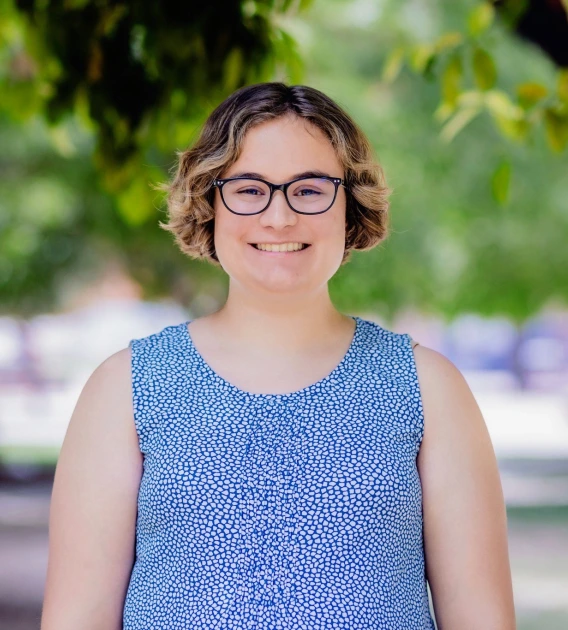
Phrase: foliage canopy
[480,221]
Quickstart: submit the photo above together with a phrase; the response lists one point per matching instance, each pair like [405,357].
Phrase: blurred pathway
[24,514]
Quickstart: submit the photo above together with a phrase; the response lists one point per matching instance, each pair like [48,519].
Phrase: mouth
[295,250]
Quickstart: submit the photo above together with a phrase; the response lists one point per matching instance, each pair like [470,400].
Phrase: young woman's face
[278,151]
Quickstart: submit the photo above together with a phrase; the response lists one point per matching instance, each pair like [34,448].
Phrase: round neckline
[300,392]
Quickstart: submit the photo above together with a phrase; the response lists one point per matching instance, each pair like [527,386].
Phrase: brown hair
[190,193]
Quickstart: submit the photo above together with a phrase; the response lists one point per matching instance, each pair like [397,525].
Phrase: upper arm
[93,506]
[465,522]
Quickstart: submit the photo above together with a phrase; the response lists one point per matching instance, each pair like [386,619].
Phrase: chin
[278,286]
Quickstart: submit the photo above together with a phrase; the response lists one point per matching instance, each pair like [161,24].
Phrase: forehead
[284,146]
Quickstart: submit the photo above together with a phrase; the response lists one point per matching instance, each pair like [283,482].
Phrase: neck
[284,325]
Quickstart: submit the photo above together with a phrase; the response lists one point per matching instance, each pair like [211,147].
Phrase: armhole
[151,369]
[141,380]
[415,392]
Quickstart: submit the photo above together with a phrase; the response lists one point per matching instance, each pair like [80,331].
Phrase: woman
[277,464]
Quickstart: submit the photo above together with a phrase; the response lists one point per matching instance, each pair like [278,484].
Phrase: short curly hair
[190,194]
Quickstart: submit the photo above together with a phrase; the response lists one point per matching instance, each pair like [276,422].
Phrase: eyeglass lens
[247,196]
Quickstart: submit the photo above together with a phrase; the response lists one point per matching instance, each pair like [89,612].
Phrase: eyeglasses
[305,195]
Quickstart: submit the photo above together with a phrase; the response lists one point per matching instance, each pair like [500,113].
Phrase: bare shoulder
[446,395]
[94,504]
[436,372]
[114,373]
[105,403]
[455,433]
[104,406]
[113,376]
[465,526]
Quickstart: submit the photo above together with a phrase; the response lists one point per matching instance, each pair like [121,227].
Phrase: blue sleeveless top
[297,511]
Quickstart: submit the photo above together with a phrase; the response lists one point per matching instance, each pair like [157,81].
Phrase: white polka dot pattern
[278,511]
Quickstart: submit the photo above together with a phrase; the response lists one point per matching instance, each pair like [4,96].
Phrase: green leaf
[562,84]
[529,94]
[501,182]
[136,204]
[22,100]
[461,119]
[248,8]
[480,18]
[295,5]
[304,4]
[556,127]
[443,112]
[232,70]
[61,141]
[76,4]
[110,18]
[484,70]
[285,5]
[509,117]
[393,64]
[421,56]
[287,53]
[448,41]
[499,103]
[472,98]
[452,80]
[516,130]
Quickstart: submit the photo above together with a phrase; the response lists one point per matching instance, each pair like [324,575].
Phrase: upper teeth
[282,247]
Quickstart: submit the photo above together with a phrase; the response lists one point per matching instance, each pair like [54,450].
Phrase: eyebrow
[315,173]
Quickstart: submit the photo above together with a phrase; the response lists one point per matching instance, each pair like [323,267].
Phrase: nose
[278,214]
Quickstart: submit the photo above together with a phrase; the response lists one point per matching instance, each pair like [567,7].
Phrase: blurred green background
[466,104]
[469,119]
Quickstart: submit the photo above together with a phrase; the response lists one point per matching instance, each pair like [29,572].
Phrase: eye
[307,192]
[250,191]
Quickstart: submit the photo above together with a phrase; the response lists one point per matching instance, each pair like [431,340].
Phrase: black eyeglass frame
[219,183]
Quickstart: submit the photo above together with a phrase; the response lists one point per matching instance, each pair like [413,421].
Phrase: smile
[280,248]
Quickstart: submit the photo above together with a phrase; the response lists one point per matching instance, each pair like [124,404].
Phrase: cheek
[228,228]
[332,227]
